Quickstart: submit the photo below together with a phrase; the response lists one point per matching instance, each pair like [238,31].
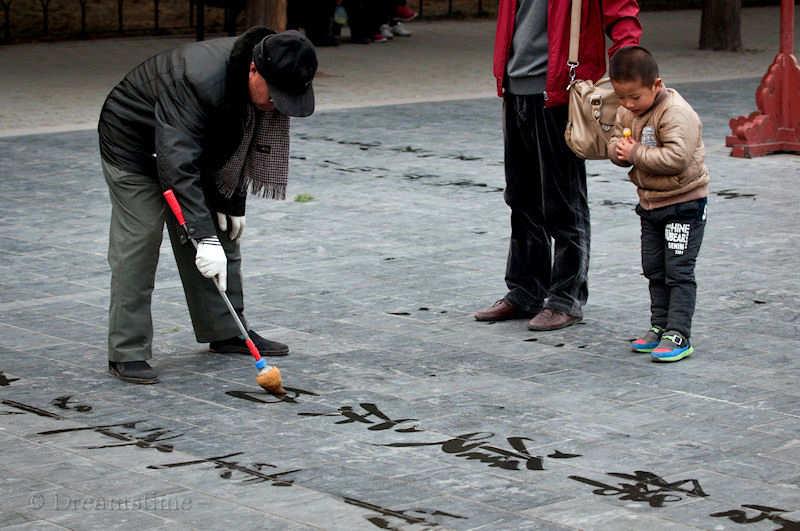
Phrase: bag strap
[574,39]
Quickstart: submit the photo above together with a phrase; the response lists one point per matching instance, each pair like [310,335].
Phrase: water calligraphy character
[764,513]
[5,381]
[62,402]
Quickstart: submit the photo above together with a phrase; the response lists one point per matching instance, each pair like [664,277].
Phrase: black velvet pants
[548,257]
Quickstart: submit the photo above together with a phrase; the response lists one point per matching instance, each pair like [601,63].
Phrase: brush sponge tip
[270,380]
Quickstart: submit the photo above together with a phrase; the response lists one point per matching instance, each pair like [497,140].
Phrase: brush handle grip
[252,348]
[172,201]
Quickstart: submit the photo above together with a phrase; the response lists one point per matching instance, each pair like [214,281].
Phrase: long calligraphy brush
[269,378]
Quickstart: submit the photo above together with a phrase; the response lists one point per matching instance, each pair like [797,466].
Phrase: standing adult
[210,120]
[548,257]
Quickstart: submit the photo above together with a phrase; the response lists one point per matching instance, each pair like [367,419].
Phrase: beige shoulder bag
[592,106]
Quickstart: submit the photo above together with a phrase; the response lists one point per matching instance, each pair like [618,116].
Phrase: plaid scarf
[261,161]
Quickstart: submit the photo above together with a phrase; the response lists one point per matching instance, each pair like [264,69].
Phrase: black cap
[288,62]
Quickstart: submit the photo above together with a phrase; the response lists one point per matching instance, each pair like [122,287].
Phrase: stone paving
[404,412]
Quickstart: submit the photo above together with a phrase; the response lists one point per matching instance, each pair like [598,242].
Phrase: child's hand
[625,148]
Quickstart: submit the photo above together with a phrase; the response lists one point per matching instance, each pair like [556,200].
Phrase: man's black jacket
[178,116]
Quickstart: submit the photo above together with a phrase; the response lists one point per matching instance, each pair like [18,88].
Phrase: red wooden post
[776,125]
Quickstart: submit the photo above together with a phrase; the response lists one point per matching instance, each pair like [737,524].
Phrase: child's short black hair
[633,63]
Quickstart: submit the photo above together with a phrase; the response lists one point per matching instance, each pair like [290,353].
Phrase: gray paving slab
[405,411]
[35,526]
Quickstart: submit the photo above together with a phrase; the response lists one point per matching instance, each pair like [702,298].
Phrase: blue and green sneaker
[648,341]
[673,347]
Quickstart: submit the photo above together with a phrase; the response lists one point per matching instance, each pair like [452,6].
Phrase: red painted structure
[775,127]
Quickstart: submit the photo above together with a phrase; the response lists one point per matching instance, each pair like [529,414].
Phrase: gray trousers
[138,212]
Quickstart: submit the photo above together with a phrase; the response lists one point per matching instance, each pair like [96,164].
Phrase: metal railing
[119,22]
[480,12]
[196,11]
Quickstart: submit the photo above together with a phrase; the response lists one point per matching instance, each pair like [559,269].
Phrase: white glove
[237,225]
[211,262]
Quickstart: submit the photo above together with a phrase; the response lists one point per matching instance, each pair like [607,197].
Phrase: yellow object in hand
[626,133]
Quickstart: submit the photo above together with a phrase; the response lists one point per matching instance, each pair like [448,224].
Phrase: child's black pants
[671,238]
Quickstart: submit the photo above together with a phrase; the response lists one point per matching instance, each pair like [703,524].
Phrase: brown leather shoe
[549,319]
[501,310]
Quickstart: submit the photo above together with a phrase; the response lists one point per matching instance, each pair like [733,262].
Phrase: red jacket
[616,18]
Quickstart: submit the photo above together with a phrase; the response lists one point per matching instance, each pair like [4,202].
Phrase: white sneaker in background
[386,31]
[400,30]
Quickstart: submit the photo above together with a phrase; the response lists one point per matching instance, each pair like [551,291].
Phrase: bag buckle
[573,67]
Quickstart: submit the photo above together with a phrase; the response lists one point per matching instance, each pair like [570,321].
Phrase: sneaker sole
[644,349]
[677,357]
[269,353]
[142,381]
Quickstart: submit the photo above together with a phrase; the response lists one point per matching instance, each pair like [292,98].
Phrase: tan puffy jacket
[668,166]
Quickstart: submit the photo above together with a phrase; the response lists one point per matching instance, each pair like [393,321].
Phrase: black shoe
[329,40]
[133,371]
[235,345]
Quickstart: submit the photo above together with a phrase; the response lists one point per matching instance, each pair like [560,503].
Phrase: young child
[660,135]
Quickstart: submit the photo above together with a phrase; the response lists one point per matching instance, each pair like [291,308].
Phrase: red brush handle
[252,348]
[172,201]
